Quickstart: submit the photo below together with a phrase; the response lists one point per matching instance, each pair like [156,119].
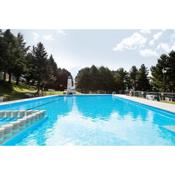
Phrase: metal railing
[159,96]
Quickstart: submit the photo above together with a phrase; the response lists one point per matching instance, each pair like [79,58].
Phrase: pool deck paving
[157,104]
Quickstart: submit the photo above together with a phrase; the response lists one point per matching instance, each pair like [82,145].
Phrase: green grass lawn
[53,92]
[57,92]
[16,92]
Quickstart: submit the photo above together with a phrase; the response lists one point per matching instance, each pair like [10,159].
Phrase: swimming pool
[94,120]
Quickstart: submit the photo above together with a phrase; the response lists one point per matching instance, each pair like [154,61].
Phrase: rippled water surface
[96,120]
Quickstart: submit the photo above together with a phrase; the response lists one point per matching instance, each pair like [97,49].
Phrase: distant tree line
[162,77]
[35,67]
[30,64]
[104,80]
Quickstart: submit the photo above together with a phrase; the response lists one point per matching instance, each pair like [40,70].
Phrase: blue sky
[75,49]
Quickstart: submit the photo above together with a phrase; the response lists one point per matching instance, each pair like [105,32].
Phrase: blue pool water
[6,120]
[95,120]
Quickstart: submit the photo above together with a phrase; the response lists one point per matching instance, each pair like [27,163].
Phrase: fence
[159,96]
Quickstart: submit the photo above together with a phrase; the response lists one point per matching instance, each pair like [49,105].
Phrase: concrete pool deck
[157,104]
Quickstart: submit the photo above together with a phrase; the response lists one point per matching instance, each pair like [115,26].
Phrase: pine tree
[142,79]
[9,52]
[133,77]
[163,74]
[121,77]
[40,70]
[20,57]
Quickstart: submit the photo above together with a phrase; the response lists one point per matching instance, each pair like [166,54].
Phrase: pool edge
[141,102]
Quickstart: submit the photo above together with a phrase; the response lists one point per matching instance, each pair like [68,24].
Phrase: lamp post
[164,70]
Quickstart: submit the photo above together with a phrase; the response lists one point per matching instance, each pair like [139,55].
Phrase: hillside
[15,92]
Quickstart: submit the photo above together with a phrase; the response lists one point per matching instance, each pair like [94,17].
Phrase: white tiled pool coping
[28,99]
[157,104]
[43,97]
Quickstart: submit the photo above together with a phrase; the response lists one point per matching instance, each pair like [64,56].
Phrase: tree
[83,79]
[40,71]
[171,72]
[52,68]
[121,79]
[61,79]
[20,57]
[13,52]
[95,79]
[8,53]
[107,82]
[30,69]
[2,50]
[163,74]
[142,79]
[133,77]
[34,65]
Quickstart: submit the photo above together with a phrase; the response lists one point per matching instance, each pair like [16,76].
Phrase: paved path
[161,105]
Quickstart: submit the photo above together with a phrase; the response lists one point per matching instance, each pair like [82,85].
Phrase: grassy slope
[15,92]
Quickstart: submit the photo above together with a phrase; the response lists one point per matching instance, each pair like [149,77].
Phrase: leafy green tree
[163,74]
[170,70]
[142,79]
[133,77]
[20,57]
[40,70]
[8,53]
[30,69]
[121,77]
[35,66]
[61,79]
[83,79]
[57,78]
[107,82]
[2,50]
[94,78]
[52,67]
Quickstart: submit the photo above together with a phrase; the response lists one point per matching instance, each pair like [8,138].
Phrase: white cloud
[163,46]
[172,47]
[66,62]
[155,37]
[48,37]
[148,53]
[145,31]
[39,38]
[62,32]
[148,43]
[151,42]
[36,37]
[136,40]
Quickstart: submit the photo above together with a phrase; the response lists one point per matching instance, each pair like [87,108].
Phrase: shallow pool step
[16,113]
[170,128]
[22,120]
